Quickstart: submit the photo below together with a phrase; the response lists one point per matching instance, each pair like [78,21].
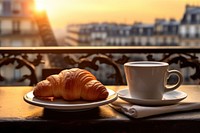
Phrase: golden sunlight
[63,12]
[40,6]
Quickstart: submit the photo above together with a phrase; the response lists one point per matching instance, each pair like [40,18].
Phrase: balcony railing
[30,63]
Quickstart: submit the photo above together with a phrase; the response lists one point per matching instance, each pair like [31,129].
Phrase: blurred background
[53,23]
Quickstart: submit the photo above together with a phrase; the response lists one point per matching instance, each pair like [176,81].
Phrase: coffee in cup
[148,79]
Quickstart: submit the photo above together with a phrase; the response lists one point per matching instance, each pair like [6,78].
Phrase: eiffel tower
[44,28]
[48,37]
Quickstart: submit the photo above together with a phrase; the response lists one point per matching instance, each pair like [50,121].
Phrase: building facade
[18,28]
[98,34]
[189,27]
[17,25]
[162,33]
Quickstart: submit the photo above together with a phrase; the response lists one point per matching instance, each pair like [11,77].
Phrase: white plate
[63,105]
[170,97]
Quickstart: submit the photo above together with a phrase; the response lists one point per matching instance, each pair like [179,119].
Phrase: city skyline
[67,12]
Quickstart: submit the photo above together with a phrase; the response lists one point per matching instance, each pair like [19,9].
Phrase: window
[6,7]
[16,27]
[16,7]
[0,27]
[188,18]
[159,29]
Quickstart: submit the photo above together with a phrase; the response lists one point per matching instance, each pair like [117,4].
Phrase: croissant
[71,84]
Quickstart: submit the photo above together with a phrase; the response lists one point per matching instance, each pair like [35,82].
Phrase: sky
[64,12]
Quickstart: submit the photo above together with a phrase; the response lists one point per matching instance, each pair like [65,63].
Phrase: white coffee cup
[148,79]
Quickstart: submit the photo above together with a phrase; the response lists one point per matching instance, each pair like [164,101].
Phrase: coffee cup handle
[179,82]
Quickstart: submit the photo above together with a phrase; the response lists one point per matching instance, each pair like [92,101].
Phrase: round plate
[170,97]
[63,105]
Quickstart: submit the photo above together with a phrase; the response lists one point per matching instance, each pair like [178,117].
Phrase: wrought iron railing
[105,62]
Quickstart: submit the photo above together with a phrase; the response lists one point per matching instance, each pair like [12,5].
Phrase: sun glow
[63,12]
[39,5]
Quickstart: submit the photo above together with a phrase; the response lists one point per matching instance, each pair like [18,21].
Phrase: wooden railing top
[101,49]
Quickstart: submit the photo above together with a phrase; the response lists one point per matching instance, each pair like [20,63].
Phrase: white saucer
[170,97]
[71,106]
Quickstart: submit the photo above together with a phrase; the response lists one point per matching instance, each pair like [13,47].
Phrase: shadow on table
[64,115]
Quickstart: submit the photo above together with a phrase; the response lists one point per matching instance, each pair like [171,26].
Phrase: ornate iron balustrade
[93,57]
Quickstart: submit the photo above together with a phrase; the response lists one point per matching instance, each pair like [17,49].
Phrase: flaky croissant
[71,84]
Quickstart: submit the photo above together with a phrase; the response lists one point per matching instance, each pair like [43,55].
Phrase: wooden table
[17,115]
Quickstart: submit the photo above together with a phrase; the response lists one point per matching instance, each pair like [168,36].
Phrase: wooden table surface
[17,115]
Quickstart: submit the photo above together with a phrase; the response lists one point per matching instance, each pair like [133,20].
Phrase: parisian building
[18,28]
[183,32]
[189,27]
[17,25]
